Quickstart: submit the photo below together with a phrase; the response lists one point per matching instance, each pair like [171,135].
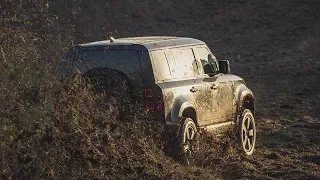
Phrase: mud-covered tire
[247,132]
[189,141]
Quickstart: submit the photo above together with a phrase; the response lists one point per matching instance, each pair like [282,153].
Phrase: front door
[222,97]
[219,94]
[203,98]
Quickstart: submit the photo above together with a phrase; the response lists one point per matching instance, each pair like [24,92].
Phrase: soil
[273,45]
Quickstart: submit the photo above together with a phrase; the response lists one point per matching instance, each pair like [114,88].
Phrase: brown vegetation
[274,45]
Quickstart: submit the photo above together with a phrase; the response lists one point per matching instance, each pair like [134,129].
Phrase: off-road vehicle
[178,81]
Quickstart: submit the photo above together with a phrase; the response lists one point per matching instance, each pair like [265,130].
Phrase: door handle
[193,89]
[214,86]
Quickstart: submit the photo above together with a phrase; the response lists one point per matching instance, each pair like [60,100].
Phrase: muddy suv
[178,81]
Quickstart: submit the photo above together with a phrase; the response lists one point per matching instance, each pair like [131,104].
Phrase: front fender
[242,91]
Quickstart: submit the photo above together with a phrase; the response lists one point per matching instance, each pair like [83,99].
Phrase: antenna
[112,39]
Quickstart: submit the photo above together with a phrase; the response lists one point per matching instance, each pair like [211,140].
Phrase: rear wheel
[189,141]
[247,132]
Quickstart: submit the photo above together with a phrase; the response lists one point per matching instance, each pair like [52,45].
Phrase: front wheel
[247,132]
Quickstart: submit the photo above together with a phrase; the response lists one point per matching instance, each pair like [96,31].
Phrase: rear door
[192,87]
[175,71]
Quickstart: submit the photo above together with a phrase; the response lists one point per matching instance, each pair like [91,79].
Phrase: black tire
[189,141]
[247,132]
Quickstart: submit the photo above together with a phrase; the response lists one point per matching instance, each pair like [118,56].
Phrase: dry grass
[273,45]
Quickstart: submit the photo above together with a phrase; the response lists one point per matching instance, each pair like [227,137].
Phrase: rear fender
[180,104]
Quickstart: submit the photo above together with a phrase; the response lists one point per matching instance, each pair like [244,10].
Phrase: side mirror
[224,66]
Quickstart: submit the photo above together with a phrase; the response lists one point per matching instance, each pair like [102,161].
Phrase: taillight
[159,103]
[150,104]
[148,93]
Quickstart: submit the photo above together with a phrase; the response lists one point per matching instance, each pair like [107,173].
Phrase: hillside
[273,45]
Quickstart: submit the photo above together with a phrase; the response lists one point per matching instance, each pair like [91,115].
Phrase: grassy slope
[274,45]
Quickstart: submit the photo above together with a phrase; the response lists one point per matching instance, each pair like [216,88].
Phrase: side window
[191,63]
[206,57]
[160,62]
[182,63]
[172,64]
[175,63]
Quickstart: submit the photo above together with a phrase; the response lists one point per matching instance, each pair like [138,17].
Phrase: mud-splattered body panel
[170,78]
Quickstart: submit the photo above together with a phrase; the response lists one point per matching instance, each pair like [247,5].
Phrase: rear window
[126,61]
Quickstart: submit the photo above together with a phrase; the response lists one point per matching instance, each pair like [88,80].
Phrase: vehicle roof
[149,42]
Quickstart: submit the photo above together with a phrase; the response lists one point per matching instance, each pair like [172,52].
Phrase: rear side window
[173,66]
[180,64]
[161,70]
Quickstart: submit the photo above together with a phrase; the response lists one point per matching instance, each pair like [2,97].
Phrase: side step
[218,128]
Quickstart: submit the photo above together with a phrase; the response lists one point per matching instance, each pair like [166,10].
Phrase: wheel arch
[245,100]
[248,102]
[188,112]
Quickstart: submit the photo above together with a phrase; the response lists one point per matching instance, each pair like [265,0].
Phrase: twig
[24,41]
[3,55]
